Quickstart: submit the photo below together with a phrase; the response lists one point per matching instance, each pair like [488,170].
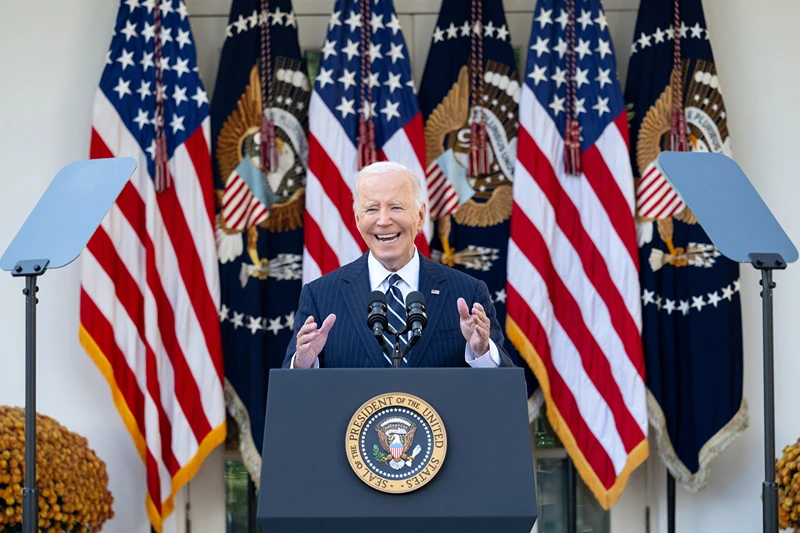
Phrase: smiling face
[388,218]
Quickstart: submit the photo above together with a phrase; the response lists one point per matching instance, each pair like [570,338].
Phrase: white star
[580,76]
[736,285]
[254,324]
[579,106]
[274,325]
[647,297]
[561,48]
[163,63]
[290,320]
[201,97]
[394,24]
[603,48]
[354,21]
[465,29]
[659,35]
[658,303]
[601,21]
[633,47]
[376,22]
[263,17]
[149,4]
[669,306]
[698,302]
[644,41]
[683,30]
[346,107]
[410,83]
[241,24]
[223,313]
[141,118]
[489,30]
[697,31]
[477,28]
[373,80]
[544,18]
[367,108]
[165,36]
[144,89]
[290,19]
[129,30]
[334,20]
[161,91]
[390,110]
[713,298]
[559,77]
[557,105]
[182,11]
[500,296]
[438,35]
[179,95]
[563,19]
[183,38]
[351,49]
[228,32]
[707,36]
[393,82]
[683,307]
[583,48]
[165,8]
[541,46]
[603,76]
[502,32]
[396,52]
[324,77]
[123,88]
[348,78]
[277,17]
[727,293]
[601,106]
[328,49]
[177,124]
[538,74]
[585,19]
[254,19]
[237,320]
[181,66]
[452,31]
[152,151]
[125,58]
[108,58]
[132,4]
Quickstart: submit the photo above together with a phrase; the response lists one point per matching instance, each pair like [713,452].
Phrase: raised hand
[475,327]
[311,341]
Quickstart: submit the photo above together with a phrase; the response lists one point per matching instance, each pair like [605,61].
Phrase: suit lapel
[430,278]
[354,291]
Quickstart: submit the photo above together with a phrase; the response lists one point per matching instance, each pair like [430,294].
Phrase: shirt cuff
[316,361]
[490,359]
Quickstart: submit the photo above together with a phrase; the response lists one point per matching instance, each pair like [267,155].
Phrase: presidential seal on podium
[396,442]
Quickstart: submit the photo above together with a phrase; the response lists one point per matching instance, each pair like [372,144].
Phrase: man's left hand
[475,327]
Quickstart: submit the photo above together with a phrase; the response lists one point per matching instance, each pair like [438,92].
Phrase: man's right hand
[311,341]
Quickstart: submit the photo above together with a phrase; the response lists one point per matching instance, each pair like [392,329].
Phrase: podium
[321,423]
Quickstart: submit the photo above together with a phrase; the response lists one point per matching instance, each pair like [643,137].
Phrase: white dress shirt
[379,281]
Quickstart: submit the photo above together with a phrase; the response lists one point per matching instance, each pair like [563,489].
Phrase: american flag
[331,236]
[573,289]
[149,279]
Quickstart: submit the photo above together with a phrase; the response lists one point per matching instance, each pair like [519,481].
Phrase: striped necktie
[397,308]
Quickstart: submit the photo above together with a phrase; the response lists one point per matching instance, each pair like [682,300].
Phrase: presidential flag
[469,97]
[692,331]
[149,277]
[259,124]
[363,109]
[574,311]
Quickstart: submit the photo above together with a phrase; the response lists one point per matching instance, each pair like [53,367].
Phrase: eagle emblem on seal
[396,436]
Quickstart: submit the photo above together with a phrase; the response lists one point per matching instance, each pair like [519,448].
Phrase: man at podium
[462,326]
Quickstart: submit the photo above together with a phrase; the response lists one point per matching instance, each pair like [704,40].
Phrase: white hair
[385,167]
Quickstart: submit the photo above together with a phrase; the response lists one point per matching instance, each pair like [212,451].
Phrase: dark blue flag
[691,308]
[259,123]
[469,96]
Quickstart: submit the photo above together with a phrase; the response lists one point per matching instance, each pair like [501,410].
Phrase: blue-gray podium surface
[485,483]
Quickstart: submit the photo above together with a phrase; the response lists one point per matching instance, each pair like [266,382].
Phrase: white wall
[52,57]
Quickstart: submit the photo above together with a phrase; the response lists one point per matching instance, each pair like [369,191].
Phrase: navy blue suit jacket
[351,343]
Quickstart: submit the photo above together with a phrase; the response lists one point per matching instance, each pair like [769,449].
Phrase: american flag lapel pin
[434,291]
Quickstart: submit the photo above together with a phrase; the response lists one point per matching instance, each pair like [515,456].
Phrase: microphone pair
[378,319]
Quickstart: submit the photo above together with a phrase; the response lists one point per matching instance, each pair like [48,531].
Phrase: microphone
[377,319]
[415,313]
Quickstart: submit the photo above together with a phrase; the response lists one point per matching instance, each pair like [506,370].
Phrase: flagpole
[572,507]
